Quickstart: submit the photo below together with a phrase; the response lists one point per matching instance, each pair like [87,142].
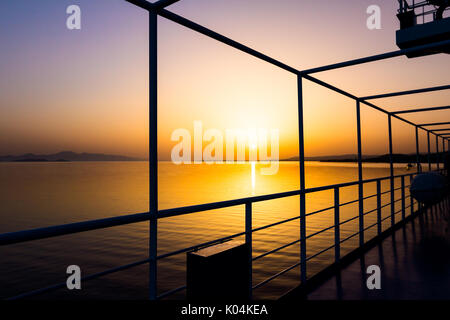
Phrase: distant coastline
[69,156]
[385,158]
[66,156]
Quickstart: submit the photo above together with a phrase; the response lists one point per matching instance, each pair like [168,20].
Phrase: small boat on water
[409,166]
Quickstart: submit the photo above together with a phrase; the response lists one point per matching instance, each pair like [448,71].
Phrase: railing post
[337,241]
[301,151]
[391,167]
[429,155]
[248,241]
[379,206]
[410,196]
[419,169]
[153,154]
[360,175]
[403,197]
[437,152]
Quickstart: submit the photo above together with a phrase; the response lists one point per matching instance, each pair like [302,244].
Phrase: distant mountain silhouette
[66,156]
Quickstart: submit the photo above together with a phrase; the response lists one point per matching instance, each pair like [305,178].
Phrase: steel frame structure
[158,9]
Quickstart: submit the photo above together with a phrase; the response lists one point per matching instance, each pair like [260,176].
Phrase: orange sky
[87,90]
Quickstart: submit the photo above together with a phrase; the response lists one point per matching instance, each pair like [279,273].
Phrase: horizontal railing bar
[347,203]
[124,267]
[319,253]
[275,224]
[275,276]
[86,278]
[171,292]
[369,212]
[268,226]
[319,232]
[275,250]
[65,229]
[59,230]
[191,248]
[319,211]
[348,220]
[47,232]
[349,237]
[223,204]
[371,226]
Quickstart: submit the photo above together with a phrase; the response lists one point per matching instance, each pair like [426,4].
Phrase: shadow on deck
[414,261]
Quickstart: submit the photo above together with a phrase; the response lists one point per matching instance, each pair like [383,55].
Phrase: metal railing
[158,9]
[422,9]
[49,232]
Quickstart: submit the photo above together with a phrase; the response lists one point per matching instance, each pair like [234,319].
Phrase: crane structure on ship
[421,23]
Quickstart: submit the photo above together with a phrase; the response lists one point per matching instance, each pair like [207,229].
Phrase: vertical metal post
[360,175]
[301,151]
[337,238]
[153,154]
[410,197]
[248,241]
[379,206]
[429,154]
[437,152]
[419,169]
[403,197]
[391,166]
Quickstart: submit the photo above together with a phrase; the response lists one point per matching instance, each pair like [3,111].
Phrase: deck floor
[414,264]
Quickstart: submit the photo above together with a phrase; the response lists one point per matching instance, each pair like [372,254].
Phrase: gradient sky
[87,90]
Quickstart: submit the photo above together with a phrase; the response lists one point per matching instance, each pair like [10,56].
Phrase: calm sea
[42,194]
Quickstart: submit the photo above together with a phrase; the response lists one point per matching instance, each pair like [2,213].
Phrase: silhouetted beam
[402,93]
[164,3]
[351,96]
[421,110]
[446,129]
[161,4]
[433,124]
[142,4]
[212,34]
[377,57]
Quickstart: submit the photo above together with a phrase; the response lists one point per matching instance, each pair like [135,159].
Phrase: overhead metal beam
[155,6]
[142,4]
[212,34]
[446,129]
[421,110]
[377,57]
[402,93]
[433,124]
[164,3]
[351,96]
